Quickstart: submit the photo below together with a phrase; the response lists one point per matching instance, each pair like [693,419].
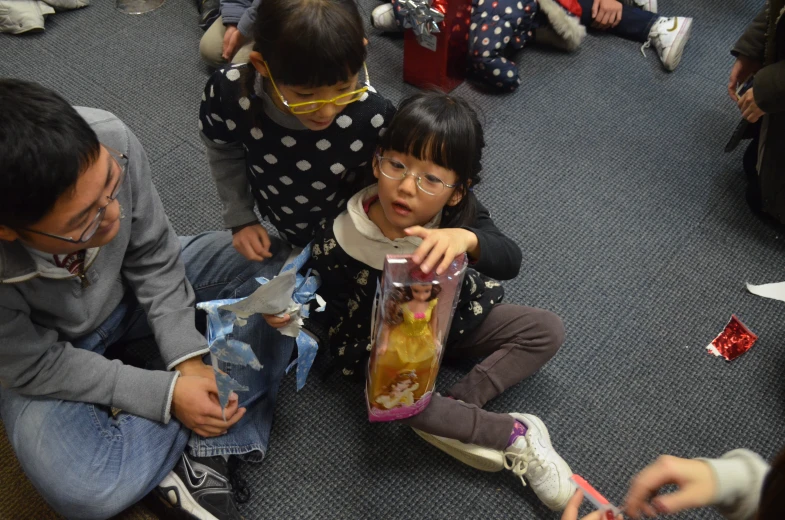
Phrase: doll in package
[412,317]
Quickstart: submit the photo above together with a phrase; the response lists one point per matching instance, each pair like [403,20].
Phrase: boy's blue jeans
[87,463]
[635,23]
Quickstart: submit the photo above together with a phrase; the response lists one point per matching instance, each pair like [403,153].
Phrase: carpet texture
[608,172]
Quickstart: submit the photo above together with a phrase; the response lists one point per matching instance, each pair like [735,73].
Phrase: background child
[292,130]
[427,161]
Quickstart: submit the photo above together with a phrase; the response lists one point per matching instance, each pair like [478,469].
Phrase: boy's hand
[276,322]
[749,108]
[742,69]
[440,247]
[195,400]
[694,478]
[233,40]
[606,14]
[252,242]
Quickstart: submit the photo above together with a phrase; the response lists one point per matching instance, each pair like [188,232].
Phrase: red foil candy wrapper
[733,341]
[442,66]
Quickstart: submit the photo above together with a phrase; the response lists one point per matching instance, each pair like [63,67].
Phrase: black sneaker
[201,487]
[209,10]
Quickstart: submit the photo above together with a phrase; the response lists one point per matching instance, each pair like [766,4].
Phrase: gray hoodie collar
[16,263]
[288,121]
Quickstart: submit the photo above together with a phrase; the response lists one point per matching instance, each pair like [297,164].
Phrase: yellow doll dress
[410,348]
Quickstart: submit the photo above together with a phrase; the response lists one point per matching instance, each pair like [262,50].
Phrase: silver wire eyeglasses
[122,162]
[397,171]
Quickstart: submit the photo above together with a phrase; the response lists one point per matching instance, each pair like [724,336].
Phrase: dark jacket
[764,41]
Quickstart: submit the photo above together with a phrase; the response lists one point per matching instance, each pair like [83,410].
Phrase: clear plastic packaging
[412,316]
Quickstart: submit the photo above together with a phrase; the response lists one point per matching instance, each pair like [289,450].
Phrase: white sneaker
[533,455]
[646,5]
[383,18]
[484,459]
[669,36]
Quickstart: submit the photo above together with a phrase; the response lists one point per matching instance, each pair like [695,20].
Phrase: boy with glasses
[88,261]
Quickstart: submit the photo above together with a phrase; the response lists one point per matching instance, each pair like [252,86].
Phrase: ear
[375,164]
[7,234]
[457,196]
[258,63]
[365,42]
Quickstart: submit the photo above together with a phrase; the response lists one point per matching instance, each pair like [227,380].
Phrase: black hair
[310,43]
[445,130]
[772,504]
[44,146]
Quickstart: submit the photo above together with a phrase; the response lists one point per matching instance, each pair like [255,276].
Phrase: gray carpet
[607,171]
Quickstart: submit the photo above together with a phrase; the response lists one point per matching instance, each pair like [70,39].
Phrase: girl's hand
[233,40]
[571,511]
[749,108]
[606,14]
[252,242]
[276,322]
[742,69]
[694,478]
[441,246]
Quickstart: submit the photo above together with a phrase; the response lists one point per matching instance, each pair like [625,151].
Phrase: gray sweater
[40,314]
[739,475]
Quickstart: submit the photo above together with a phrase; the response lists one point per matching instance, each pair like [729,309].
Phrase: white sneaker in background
[646,5]
[533,456]
[669,36]
[383,18]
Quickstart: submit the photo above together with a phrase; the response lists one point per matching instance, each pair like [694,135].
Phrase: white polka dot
[218,141]
[245,103]
[212,90]
[519,21]
[256,133]
[290,231]
[485,54]
[230,124]
[270,158]
[473,26]
[331,197]
[496,72]
[201,126]
[288,141]
[264,195]
[371,89]
[337,168]
[319,185]
[377,120]
[382,131]
[520,5]
[498,30]
[481,2]
[498,45]
[323,144]
[483,15]
[301,225]
[508,10]
[355,146]
[285,180]
[301,199]
[344,121]
[303,165]
[232,74]
[486,41]
[204,98]
[272,189]
[504,60]
[506,39]
[286,210]
[506,24]
[341,202]
[495,18]
[216,117]
[364,96]
[475,39]
[315,209]
[510,74]
[276,216]
[257,169]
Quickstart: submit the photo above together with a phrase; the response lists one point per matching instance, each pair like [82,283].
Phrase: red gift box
[442,63]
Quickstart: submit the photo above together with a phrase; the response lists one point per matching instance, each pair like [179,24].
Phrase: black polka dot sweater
[298,178]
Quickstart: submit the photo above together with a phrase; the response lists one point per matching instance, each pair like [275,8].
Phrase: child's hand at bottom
[440,247]
[571,511]
[252,242]
[694,478]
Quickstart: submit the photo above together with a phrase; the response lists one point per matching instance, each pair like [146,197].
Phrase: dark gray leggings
[517,341]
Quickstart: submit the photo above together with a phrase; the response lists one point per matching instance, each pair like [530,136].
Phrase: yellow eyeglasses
[313,106]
